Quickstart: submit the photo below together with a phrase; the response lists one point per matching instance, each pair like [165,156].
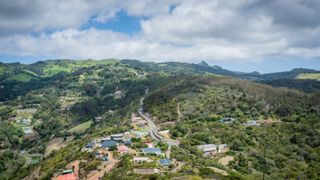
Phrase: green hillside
[313,76]
[205,100]
[59,102]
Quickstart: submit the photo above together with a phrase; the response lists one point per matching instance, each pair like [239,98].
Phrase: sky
[242,35]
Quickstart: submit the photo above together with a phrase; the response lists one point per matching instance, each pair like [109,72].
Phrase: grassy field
[80,128]
[315,76]
[22,77]
[56,144]
[33,159]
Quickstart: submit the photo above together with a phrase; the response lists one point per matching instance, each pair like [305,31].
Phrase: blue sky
[122,23]
[262,38]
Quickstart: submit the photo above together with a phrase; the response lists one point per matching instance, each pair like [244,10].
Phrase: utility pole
[265,162]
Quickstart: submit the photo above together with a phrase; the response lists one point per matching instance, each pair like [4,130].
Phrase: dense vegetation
[66,95]
[292,145]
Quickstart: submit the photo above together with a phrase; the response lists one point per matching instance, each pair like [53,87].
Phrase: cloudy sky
[246,35]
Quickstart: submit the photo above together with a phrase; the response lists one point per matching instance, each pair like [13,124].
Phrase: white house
[208,148]
[212,149]
[141,159]
[252,123]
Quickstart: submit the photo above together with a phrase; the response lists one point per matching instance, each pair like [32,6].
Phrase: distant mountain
[44,69]
[293,74]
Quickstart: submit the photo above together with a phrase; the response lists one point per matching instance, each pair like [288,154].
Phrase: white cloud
[243,30]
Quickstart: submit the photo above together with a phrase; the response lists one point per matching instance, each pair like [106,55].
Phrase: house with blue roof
[108,144]
[155,151]
[127,142]
[90,145]
[165,162]
[117,137]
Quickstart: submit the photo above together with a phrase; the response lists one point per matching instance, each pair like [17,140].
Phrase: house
[90,145]
[27,130]
[67,175]
[117,137]
[108,144]
[165,133]
[139,134]
[164,162]
[227,120]
[146,171]
[208,149]
[251,123]
[127,142]
[24,121]
[149,144]
[127,134]
[212,149]
[108,138]
[141,159]
[122,149]
[138,121]
[155,151]
[98,118]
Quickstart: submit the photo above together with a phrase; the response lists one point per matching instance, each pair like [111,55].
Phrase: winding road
[153,129]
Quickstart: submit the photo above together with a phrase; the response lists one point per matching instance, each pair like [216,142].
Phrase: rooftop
[151,150]
[90,144]
[164,162]
[146,171]
[108,143]
[67,177]
[27,130]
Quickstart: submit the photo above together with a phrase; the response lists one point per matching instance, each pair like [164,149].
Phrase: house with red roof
[122,148]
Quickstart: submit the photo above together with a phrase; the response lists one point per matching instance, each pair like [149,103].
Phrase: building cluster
[213,149]
[119,142]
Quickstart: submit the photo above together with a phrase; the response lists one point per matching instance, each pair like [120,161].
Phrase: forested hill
[18,79]
[196,104]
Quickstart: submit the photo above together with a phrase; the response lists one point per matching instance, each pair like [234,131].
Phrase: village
[148,148]
[148,155]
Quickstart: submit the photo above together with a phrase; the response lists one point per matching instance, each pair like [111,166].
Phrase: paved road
[153,129]
[151,125]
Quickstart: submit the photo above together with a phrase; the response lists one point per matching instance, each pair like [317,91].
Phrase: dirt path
[105,167]
[225,160]
[219,171]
